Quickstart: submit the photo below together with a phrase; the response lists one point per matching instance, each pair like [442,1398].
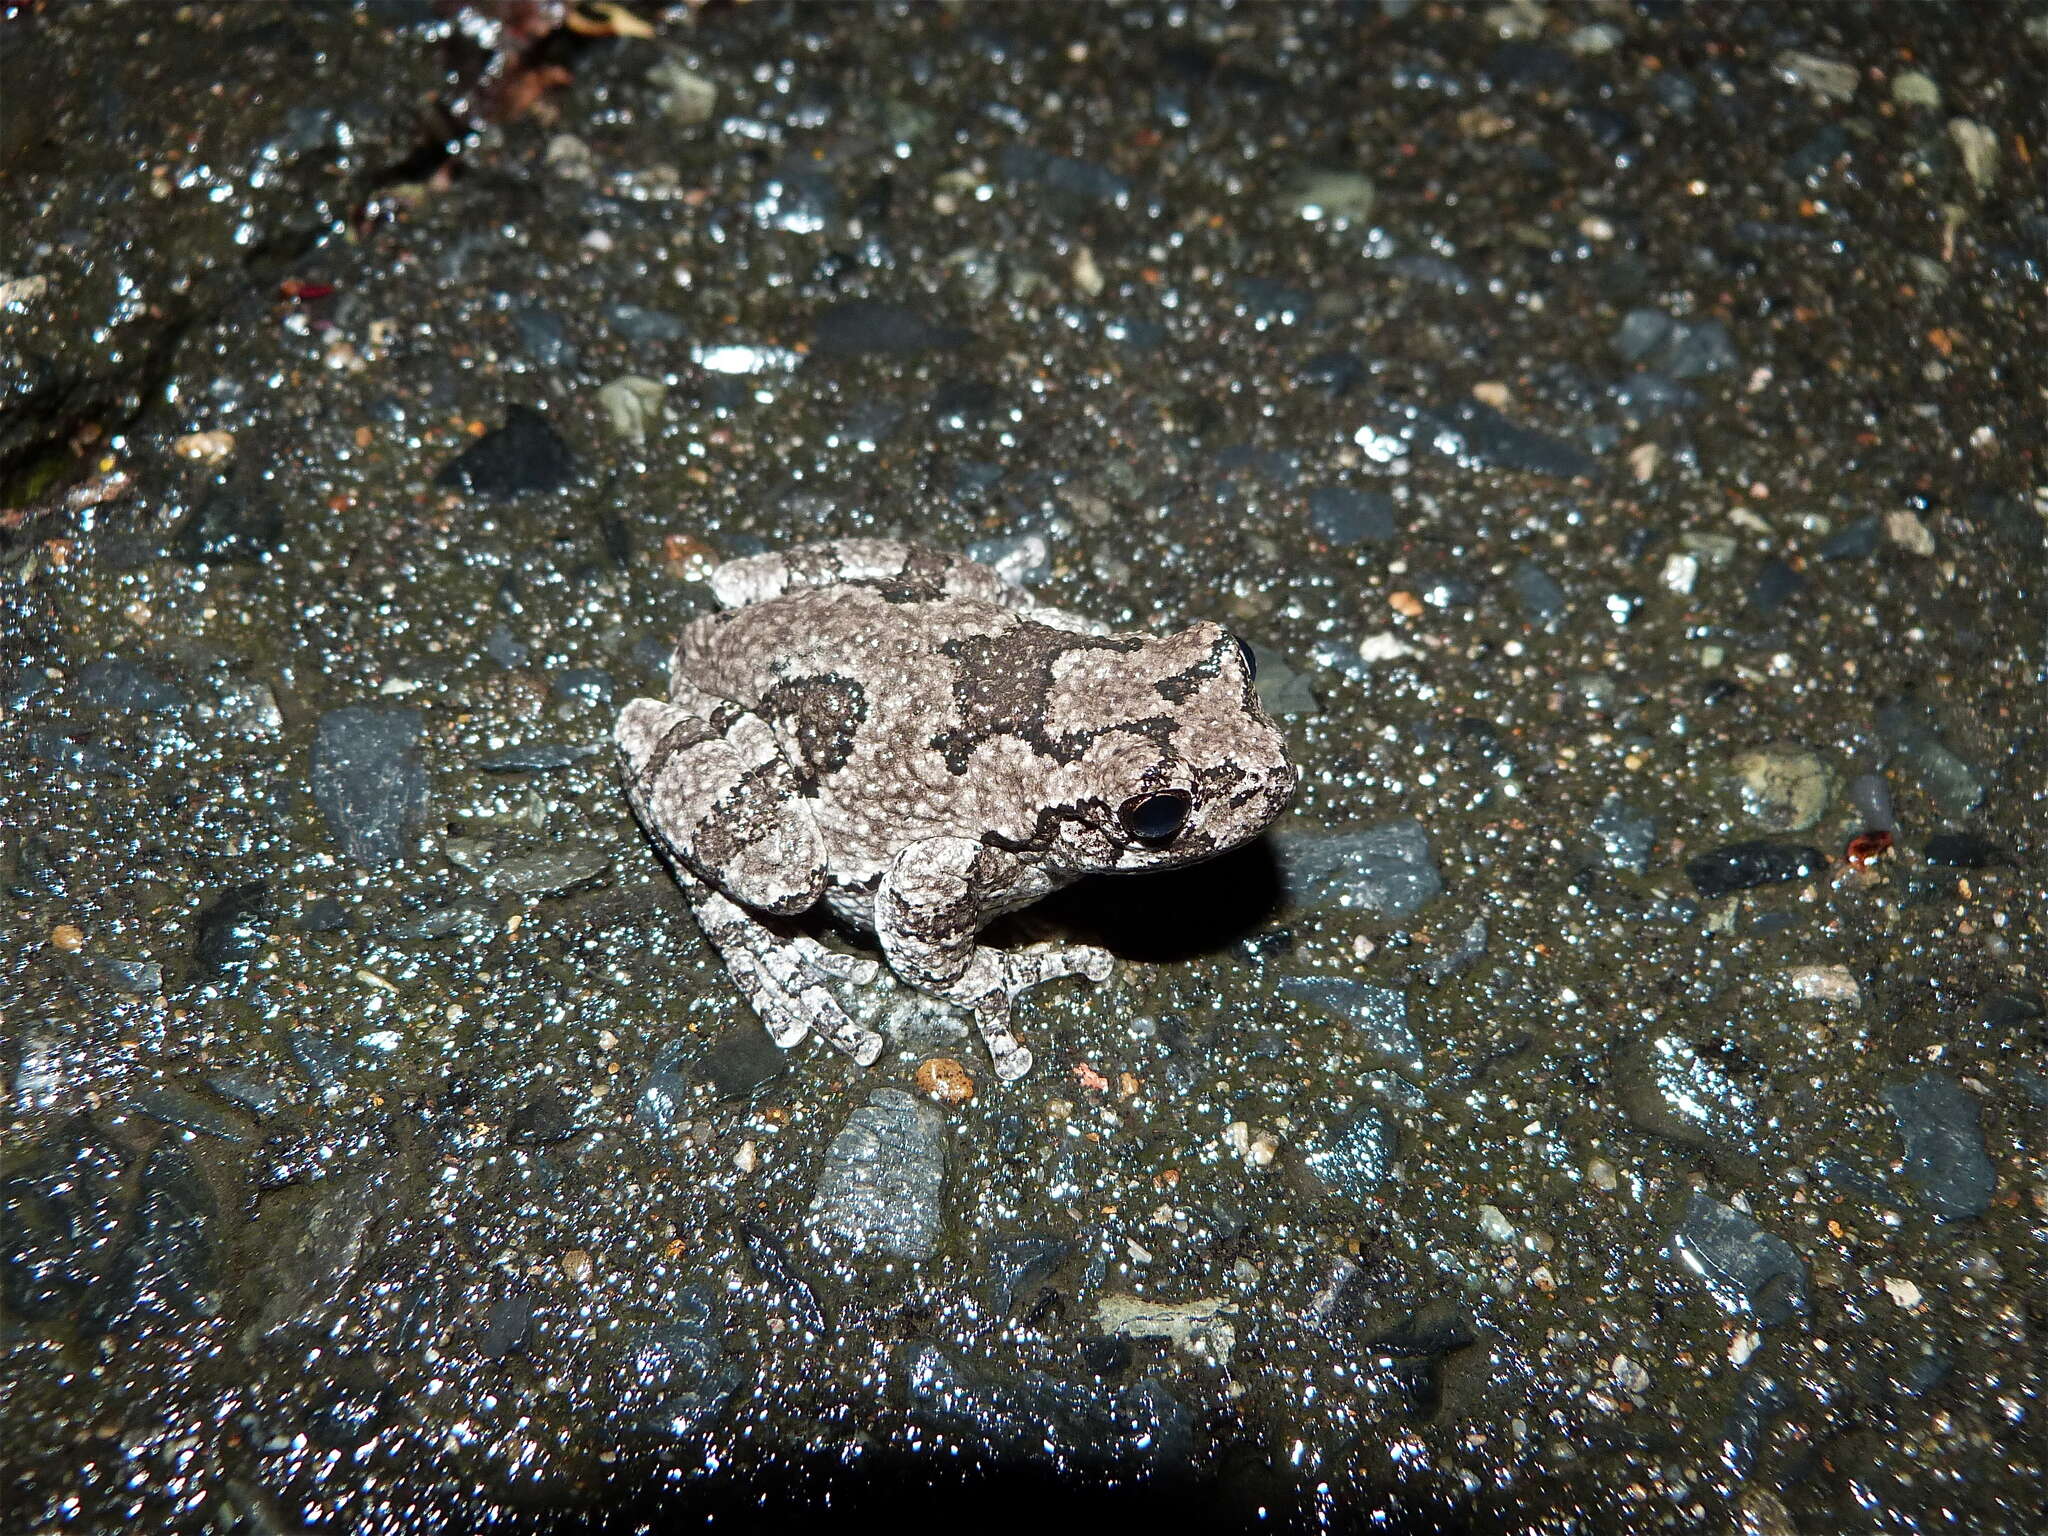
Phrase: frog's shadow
[1179,914]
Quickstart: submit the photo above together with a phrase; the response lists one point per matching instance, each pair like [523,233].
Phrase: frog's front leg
[782,973]
[928,912]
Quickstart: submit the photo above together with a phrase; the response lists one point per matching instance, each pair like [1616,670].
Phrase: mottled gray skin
[904,736]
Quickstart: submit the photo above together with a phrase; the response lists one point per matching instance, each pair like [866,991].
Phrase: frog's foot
[996,978]
[783,976]
[1037,963]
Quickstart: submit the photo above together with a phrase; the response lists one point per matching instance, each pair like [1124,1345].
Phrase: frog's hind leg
[709,783]
[782,973]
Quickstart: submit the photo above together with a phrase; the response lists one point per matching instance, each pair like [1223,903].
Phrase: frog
[904,741]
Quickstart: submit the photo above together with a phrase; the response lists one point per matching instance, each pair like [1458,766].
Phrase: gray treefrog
[906,737]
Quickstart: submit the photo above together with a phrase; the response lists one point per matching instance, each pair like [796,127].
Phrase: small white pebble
[1383,647]
[1087,273]
[1825,984]
[1907,531]
[1629,1376]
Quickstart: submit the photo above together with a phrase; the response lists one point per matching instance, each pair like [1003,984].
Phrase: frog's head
[1182,762]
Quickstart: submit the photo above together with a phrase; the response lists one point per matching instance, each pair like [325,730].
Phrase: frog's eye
[1251,662]
[1156,818]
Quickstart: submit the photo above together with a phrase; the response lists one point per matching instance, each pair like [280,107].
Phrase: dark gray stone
[583,685]
[1034,1417]
[883,1176]
[1744,866]
[1746,1269]
[1080,180]
[539,756]
[125,686]
[1020,1267]
[1380,1014]
[862,326]
[1355,1158]
[1342,516]
[368,779]
[544,338]
[550,871]
[524,455]
[1625,835]
[740,1062]
[662,1105]
[1945,1156]
[676,1377]
[233,928]
[189,1112]
[1386,868]
[1537,591]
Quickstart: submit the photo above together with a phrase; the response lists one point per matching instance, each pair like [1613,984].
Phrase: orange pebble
[944,1080]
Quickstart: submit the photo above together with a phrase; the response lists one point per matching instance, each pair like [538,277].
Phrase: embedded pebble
[1537,591]
[456,919]
[1872,796]
[1342,197]
[368,779]
[1784,789]
[1020,1266]
[1625,835]
[188,1111]
[883,1174]
[125,686]
[525,454]
[1668,1088]
[1357,1157]
[1744,866]
[539,756]
[1343,516]
[663,1103]
[1746,1269]
[1833,984]
[1387,868]
[1824,76]
[687,98]
[632,404]
[1380,1014]
[1676,349]
[549,872]
[1963,850]
[861,326]
[1978,146]
[233,927]
[944,1080]
[141,978]
[1911,88]
[1031,1417]
[1940,1123]
[676,1372]
[1199,1326]
[1283,690]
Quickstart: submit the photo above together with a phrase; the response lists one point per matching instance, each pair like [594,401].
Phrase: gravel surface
[1615,1096]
